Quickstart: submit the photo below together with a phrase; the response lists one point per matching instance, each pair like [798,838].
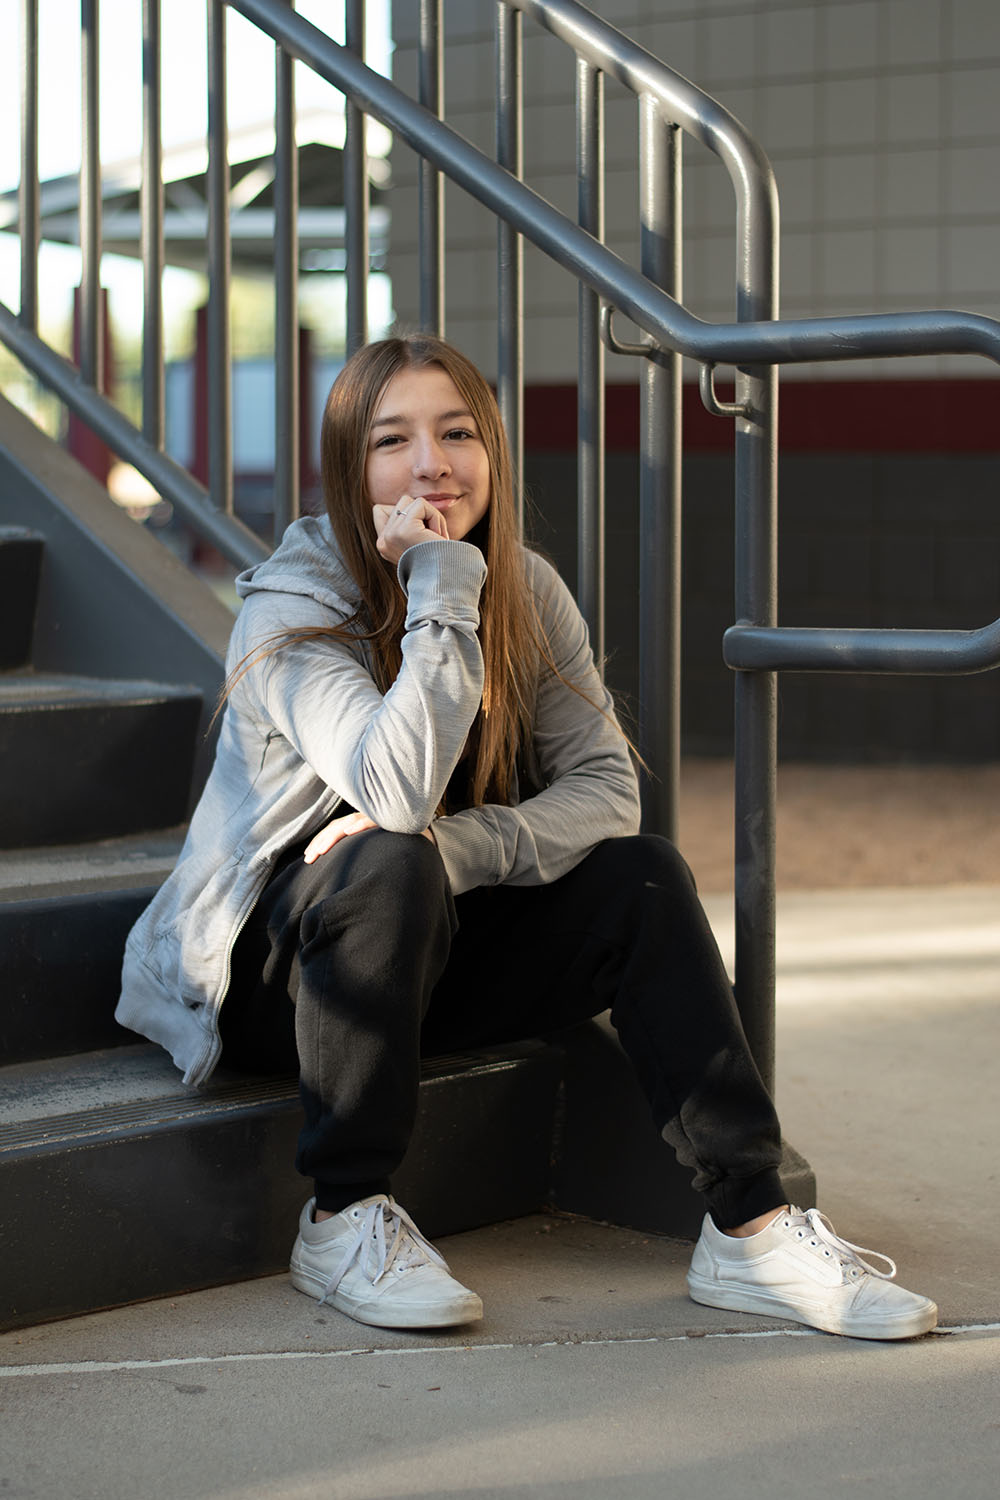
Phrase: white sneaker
[798,1268]
[372,1262]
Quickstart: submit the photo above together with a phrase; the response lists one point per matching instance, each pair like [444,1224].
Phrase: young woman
[421,834]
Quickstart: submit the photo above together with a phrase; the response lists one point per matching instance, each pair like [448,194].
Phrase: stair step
[20,569]
[65,913]
[157,1189]
[135,859]
[85,758]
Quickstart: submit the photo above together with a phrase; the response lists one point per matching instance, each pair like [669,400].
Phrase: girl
[421,833]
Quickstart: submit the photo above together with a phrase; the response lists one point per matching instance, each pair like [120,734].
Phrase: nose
[429,458]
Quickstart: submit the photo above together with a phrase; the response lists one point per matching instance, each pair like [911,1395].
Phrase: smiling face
[425,443]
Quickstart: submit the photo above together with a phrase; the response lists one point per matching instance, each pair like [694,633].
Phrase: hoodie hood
[306,561]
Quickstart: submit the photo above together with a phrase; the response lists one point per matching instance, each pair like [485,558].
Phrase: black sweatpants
[382,965]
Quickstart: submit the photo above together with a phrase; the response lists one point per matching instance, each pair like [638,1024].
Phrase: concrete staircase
[117,1183]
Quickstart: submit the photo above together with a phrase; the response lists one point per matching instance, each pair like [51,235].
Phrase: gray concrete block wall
[863,540]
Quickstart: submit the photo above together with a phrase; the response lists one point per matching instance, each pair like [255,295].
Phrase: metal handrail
[756,344]
[234,540]
[757,648]
[778,341]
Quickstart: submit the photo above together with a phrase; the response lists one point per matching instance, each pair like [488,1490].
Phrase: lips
[441,502]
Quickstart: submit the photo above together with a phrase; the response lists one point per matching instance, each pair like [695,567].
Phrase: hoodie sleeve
[590,792]
[389,756]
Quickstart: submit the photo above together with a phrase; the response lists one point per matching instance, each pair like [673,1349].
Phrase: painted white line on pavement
[107,1367]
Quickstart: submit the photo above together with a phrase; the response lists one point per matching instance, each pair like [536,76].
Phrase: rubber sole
[902,1325]
[467,1308]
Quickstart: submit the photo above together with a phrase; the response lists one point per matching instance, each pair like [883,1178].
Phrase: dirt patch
[853,825]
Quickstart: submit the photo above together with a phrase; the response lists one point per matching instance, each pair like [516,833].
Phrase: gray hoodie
[306,730]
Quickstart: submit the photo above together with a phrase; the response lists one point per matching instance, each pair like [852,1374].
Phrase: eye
[388,441]
[458,434]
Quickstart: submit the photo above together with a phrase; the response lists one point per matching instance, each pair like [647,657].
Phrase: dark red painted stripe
[847,416]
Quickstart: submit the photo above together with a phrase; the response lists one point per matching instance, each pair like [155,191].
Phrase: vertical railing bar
[356,193]
[755,693]
[220,401]
[430,211]
[660,482]
[91,341]
[29,212]
[590,362]
[151,228]
[286,322]
[510,246]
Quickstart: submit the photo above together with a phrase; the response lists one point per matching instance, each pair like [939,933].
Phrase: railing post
[431,192]
[287,382]
[151,229]
[28,193]
[510,247]
[356,193]
[755,693]
[91,331]
[660,482]
[220,377]
[590,362]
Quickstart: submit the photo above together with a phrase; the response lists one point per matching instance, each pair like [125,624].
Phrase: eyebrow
[444,416]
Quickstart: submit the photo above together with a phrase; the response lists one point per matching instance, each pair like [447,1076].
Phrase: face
[425,443]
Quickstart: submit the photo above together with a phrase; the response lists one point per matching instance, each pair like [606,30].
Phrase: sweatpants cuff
[737,1200]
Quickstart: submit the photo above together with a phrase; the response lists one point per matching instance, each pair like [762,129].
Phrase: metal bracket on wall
[711,402]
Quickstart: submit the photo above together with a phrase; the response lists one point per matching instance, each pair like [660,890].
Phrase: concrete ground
[592,1374]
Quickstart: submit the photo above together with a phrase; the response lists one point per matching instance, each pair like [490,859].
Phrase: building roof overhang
[321,219]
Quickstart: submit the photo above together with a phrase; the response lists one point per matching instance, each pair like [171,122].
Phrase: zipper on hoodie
[216,1005]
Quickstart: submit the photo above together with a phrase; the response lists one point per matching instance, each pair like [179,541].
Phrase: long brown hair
[511,634]
[509,626]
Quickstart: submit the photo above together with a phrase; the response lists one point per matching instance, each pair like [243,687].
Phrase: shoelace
[850,1255]
[386,1232]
